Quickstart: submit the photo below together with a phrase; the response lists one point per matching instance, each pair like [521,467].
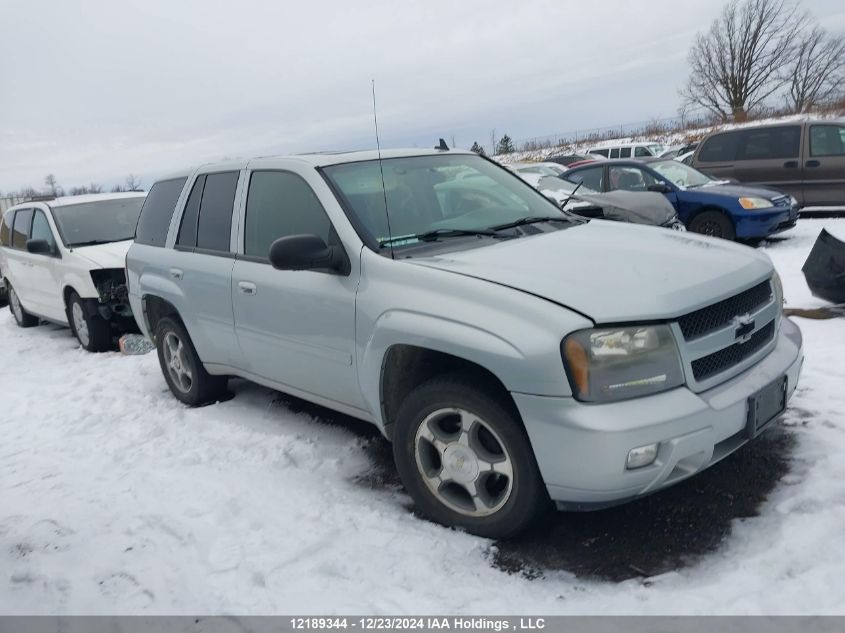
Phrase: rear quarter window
[6,229]
[157,211]
[719,148]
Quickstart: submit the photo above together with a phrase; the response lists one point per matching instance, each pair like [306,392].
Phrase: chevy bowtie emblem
[744,328]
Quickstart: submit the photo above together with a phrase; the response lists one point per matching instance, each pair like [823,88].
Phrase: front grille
[728,357]
[783,201]
[696,324]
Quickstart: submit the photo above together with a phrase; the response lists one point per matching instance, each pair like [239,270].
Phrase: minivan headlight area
[609,364]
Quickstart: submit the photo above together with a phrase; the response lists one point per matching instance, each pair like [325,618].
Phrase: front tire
[22,317]
[713,223]
[91,330]
[182,368]
[465,459]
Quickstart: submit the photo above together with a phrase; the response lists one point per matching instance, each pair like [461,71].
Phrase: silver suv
[513,353]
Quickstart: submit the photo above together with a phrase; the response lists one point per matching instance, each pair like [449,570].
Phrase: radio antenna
[381,170]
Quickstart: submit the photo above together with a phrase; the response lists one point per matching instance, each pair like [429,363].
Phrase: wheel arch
[406,366]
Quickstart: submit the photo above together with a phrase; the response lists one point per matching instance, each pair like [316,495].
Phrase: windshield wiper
[93,243]
[436,234]
[528,220]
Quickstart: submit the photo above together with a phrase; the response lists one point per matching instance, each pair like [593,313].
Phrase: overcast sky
[94,90]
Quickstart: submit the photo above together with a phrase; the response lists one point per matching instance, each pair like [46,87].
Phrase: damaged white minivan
[63,261]
[513,353]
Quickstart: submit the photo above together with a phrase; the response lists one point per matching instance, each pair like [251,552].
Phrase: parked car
[704,205]
[532,172]
[511,352]
[804,158]
[568,159]
[686,158]
[63,261]
[628,150]
[636,207]
[679,150]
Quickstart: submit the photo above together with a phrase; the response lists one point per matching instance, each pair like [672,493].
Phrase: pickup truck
[513,353]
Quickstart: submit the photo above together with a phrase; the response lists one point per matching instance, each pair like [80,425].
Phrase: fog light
[642,456]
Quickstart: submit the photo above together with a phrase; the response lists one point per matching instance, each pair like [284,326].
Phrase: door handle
[247,287]
[791,163]
[812,163]
[176,273]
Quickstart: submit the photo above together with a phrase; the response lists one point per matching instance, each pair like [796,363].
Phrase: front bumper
[581,448]
[763,223]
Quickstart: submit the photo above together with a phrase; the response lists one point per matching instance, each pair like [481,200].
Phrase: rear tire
[182,368]
[465,459]
[22,317]
[91,330]
[713,223]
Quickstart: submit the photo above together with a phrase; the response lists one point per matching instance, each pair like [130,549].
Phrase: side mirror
[660,187]
[306,252]
[39,247]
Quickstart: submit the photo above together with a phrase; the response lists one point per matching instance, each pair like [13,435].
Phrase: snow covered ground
[115,498]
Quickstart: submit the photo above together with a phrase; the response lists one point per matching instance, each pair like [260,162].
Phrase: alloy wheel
[177,363]
[463,462]
[80,325]
[17,310]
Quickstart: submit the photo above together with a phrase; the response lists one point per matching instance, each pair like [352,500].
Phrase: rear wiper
[528,220]
[436,234]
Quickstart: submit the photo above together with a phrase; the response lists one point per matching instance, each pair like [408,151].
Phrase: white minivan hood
[615,272]
[111,255]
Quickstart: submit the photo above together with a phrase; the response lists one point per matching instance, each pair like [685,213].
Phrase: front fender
[534,368]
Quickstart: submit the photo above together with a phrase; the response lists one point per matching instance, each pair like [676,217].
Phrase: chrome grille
[717,362]
[696,324]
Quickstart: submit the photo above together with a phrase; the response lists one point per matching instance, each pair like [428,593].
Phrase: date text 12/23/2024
[417,623]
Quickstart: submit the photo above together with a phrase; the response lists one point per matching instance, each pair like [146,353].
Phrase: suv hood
[111,255]
[613,272]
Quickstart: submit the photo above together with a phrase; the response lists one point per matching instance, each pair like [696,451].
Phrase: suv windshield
[679,174]
[98,222]
[436,194]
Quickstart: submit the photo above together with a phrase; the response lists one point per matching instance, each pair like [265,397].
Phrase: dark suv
[805,159]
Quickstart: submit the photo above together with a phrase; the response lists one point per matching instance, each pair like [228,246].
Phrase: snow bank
[115,498]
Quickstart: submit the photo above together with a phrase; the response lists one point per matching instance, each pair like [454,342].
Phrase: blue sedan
[704,205]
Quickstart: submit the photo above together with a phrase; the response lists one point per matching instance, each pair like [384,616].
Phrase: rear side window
[719,148]
[625,152]
[157,211]
[591,178]
[827,140]
[188,230]
[215,220]
[6,229]
[20,233]
[281,204]
[614,153]
[768,143]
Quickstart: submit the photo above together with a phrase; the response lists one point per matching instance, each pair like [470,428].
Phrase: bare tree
[53,188]
[133,183]
[818,70]
[94,188]
[740,61]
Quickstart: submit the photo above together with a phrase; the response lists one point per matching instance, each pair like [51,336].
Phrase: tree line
[53,189]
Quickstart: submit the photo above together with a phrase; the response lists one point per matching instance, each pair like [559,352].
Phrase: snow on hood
[111,255]
[615,272]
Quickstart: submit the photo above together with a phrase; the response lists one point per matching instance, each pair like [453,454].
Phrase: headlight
[755,203]
[610,364]
[777,286]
